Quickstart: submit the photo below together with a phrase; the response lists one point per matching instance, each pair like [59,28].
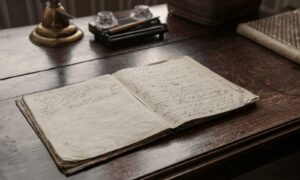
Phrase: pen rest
[151,28]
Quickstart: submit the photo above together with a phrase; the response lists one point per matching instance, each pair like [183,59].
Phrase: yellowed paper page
[92,118]
[182,90]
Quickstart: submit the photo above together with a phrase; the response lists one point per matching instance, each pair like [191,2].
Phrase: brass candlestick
[55,29]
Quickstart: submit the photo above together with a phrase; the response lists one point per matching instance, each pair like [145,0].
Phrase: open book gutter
[90,122]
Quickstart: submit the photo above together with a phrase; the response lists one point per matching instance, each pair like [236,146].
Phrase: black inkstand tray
[152,27]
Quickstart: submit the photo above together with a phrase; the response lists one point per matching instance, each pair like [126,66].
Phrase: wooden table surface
[26,68]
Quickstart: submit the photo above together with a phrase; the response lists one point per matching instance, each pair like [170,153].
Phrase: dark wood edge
[227,152]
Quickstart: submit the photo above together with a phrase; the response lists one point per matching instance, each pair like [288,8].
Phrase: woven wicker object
[280,33]
[212,12]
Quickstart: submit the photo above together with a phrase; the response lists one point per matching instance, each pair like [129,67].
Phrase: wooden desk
[26,68]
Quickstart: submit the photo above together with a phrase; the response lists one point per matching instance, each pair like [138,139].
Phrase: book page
[182,90]
[92,118]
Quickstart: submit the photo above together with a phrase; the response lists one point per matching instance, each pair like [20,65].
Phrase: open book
[92,121]
[280,33]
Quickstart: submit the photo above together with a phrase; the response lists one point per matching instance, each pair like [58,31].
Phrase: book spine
[269,42]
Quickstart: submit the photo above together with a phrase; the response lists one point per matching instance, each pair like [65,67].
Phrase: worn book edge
[210,73]
[269,42]
[71,167]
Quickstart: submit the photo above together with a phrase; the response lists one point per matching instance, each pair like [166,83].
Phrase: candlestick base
[55,37]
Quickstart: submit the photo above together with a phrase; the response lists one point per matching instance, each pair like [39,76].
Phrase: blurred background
[14,13]
[270,7]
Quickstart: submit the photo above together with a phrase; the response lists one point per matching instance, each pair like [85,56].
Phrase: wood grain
[19,56]
[275,79]
[24,156]
[218,54]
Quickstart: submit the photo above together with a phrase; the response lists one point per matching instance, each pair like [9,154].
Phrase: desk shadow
[58,58]
[137,43]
